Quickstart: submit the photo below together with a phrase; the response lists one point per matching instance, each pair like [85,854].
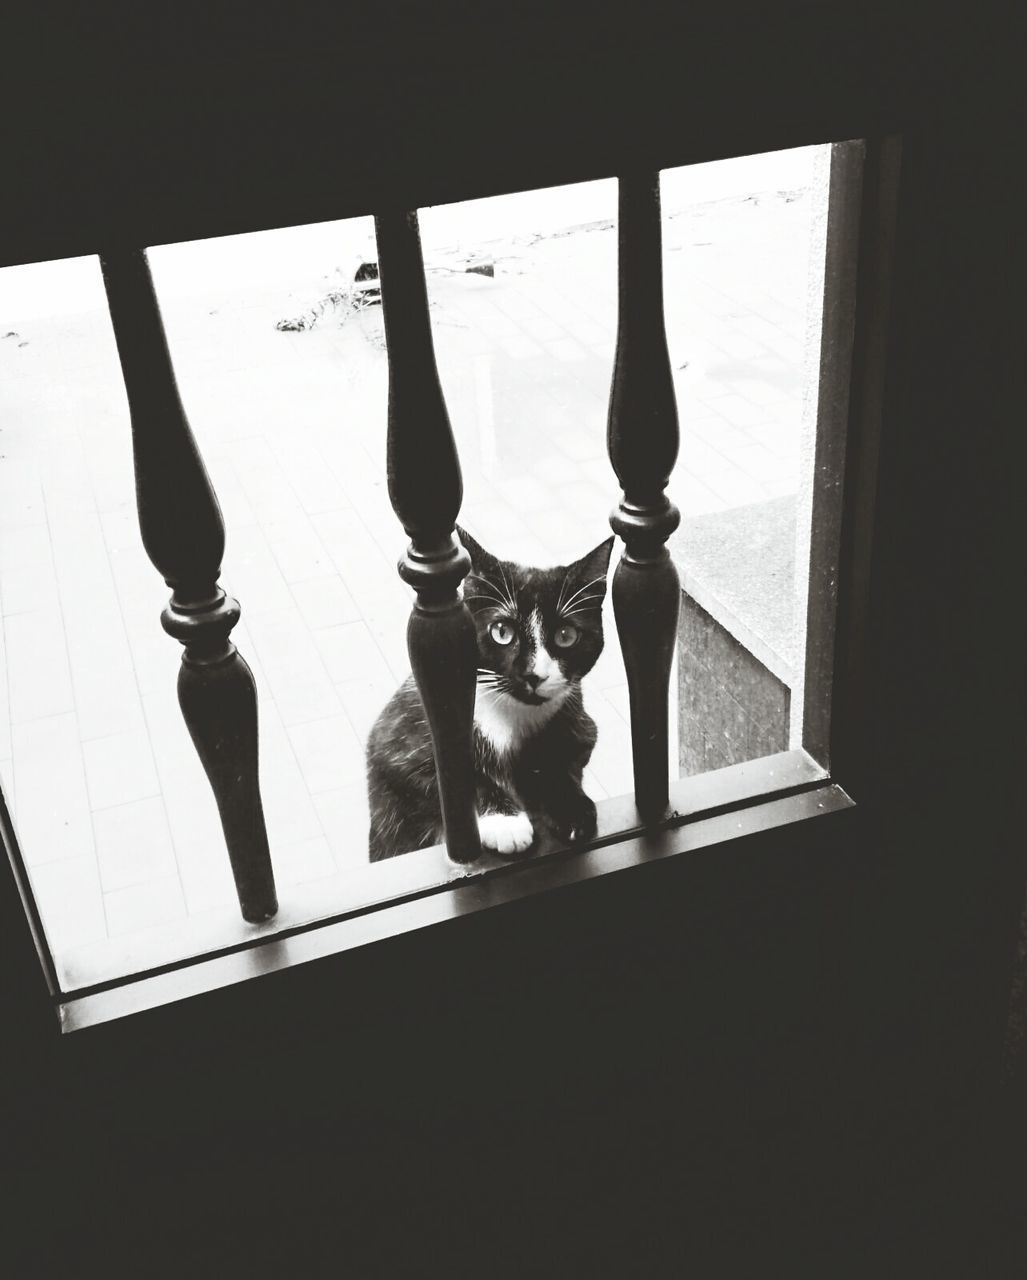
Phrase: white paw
[505,832]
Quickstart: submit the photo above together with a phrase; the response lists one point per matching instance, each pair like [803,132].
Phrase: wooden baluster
[426,490]
[642,439]
[184,536]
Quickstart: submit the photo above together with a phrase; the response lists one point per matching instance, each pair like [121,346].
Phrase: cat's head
[539,630]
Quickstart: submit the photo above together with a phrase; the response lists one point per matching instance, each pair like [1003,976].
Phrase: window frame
[742,802]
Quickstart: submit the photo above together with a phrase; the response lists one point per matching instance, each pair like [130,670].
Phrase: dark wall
[596,1074]
[160,123]
[784,1055]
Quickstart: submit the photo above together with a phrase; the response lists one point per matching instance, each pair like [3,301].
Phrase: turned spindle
[426,490]
[642,439]
[184,536]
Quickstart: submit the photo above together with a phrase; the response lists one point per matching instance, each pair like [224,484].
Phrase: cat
[539,632]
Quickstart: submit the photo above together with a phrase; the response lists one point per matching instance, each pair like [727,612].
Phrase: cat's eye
[501,632]
[566,635]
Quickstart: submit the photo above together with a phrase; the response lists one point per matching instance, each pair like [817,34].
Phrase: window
[278,345]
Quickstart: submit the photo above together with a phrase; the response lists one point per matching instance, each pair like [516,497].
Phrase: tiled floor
[115,818]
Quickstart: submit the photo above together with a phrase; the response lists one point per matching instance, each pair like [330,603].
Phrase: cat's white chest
[504,722]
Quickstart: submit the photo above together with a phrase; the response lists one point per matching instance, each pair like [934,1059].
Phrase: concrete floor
[116,820]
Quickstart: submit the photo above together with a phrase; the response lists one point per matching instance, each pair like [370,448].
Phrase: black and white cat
[539,631]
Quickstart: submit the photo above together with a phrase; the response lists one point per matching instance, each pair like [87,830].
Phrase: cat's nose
[534,680]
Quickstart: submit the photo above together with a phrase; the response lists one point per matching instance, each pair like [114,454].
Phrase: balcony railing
[184,536]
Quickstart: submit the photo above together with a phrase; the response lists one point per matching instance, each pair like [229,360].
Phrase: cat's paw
[576,820]
[507,833]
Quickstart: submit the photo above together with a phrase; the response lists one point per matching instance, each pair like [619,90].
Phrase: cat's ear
[593,567]
[481,561]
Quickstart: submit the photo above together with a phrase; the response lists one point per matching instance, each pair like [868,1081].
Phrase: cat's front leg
[572,813]
[506,833]
[503,826]
[558,798]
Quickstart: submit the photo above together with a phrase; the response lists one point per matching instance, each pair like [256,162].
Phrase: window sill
[420,889]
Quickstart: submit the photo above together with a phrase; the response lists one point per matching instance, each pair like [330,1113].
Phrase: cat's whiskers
[563,588]
[584,606]
[581,590]
[509,590]
[502,604]
[503,597]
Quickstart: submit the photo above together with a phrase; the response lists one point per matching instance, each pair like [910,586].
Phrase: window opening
[279,349]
